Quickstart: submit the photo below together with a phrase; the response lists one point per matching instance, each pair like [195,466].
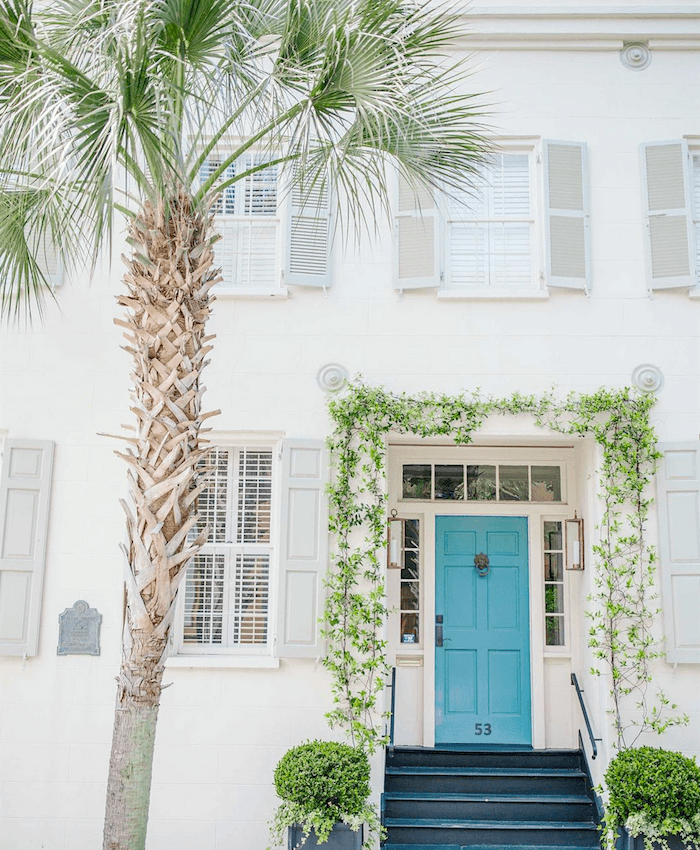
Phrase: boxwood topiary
[324,775]
[321,783]
[654,792]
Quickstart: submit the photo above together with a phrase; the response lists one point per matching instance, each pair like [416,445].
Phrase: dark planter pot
[341,838]
[627,842]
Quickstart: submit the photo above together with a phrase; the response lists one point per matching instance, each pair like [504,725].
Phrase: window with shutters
[247,216]
[490,228]
[517,227]
[225,599]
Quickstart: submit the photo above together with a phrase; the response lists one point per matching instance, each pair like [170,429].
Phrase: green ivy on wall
[622,605]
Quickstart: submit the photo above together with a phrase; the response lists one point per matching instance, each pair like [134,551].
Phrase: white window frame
[242,651]
[515,148]
[240,217]
[694,151]
[532,148]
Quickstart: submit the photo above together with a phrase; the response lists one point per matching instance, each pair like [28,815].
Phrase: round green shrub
[324,775]
[660,784]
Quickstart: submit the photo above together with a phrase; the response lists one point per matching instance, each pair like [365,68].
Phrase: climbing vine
[622,605]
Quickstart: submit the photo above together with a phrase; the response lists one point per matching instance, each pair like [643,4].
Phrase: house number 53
[482,729]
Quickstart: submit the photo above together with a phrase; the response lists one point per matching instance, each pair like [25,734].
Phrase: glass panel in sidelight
[449,482]
[514,484]
[546,483]
[417,481]
[481,483]
[410,596]
[554,566]
[553,537]
[409,628]
[554,627]
[411,532]
[410,567]
[554,598]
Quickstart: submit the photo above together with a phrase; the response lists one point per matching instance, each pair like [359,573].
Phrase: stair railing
[579,694]
[392,709]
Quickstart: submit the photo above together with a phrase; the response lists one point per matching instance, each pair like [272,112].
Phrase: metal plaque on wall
[79,630]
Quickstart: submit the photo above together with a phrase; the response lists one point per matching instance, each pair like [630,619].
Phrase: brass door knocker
[481,562]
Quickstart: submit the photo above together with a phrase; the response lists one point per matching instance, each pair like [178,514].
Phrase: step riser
[490,810]
[498,785]
[524,760]
[492,837]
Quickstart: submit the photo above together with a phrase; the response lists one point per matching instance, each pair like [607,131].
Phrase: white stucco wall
[221,731]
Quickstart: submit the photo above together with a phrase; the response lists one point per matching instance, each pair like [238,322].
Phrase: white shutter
[308,235]
[567,238]
[24,511]
[678,488]
[303,549]
[417,238]
[50,263]
[669,221]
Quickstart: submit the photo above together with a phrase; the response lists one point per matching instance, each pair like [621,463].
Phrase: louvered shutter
[50,264]
[567,240]
[678,488]
[24,510]
[417,238]
[669,221]
[308,235]
[303,549]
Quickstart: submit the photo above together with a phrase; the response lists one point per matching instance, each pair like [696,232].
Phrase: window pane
[211,502]
[553,536]
[555,631]
[449,482]
[410,596]
[513,483]
[554,598]
[204,600]
[546,483]
[411,539]
[254,495]
[416,481]
[250,599]
[554,566]
[409,628]
[410,569]
[481,483]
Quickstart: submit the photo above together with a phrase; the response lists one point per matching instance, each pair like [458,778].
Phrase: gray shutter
[24,511]
[416,239]
[669,221]
[567,238]
[308,235]
[678,488]
[303,549]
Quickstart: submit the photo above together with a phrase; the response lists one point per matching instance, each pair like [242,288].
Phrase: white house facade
[573,264]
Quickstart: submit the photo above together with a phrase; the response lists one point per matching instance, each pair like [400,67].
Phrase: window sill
[493,295]
[694,294]
[246,292]
[223,661]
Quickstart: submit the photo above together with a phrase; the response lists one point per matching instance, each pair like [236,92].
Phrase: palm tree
[109,109]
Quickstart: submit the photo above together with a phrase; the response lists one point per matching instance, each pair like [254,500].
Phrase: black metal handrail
[390,748]
[579,694]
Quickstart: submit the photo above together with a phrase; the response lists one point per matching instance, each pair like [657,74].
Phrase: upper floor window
[520,222]
[270,236]
[490,231]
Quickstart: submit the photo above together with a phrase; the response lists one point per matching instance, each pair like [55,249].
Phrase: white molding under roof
[581,27]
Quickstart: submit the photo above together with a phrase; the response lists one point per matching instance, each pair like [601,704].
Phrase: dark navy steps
[448,799]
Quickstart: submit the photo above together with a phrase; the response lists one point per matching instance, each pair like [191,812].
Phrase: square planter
[341,838]
[628,842]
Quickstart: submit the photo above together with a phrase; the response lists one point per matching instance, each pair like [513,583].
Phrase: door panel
[482,671]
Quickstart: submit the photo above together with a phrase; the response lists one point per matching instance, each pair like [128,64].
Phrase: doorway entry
[482,631]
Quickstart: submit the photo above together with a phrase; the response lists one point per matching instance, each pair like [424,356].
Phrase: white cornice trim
[581,27]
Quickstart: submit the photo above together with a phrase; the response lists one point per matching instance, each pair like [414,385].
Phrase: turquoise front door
[482,668]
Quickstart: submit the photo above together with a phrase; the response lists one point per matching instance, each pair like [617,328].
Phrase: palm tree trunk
[168,279]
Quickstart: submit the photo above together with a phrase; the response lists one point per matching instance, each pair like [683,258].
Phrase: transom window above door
[482,482]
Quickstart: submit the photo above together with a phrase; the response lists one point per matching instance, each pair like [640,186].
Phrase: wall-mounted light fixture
[395,538]
[574,543]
